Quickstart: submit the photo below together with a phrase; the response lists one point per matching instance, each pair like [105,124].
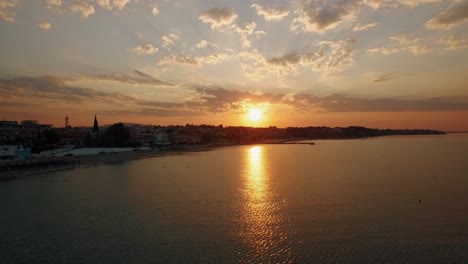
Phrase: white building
[15,152]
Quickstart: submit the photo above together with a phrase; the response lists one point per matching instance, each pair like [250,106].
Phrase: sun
[254,114]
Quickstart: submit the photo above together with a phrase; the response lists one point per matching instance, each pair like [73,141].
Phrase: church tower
[96,126]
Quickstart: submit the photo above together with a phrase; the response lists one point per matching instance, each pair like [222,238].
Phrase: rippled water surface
[348,201]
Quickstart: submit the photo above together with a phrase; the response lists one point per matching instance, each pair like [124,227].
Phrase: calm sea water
[340,201]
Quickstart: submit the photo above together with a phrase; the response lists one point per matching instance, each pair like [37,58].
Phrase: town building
[8,131]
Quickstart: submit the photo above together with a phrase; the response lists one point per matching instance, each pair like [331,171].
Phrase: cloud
[455,14]
[223,19]
[6,12]
[259,33]
[120,4]
[337,54]
[169,40]
[383,78]
[413,3]
[271,13]
[137,77]
[44,26]
[214,58]
[104,4]
[218,99]
[419,49]
[343,103]
[402,43]
[145,49]
[155,10]
[256,67]
[111,4]
[208,99]
[328,57]
[363,27]
[376,4]
[52,88]
[285,60]
[204,43]
[54,3]
[84,8]
[178,59]
[454,42]
[320,15]
[244,32]
[404,39]
[218,17]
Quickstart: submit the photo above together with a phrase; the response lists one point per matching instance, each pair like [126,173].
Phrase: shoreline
[93,160]
[99,159]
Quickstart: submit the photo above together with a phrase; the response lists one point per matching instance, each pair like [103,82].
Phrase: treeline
[249,134]
[351,132]
[117,135]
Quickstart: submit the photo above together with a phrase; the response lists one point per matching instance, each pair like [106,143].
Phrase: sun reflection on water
[262,225]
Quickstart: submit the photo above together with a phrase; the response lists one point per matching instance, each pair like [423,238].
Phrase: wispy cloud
[383,78]
[154,10]
[244,33]
[137,77]
[413,3]
[363,27]
[321,16]
[327,58]
[214,58]
[145,49]
[113,4]
[54,3]
[402,43]
[84,8]
[454,42]
[273,13]
[169,40]
[212,99]
[205,43]
[6,10]
[455,14]
[44,26]
[219,17]
[120,4]
[219,98]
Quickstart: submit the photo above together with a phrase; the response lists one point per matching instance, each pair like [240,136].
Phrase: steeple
[96,126]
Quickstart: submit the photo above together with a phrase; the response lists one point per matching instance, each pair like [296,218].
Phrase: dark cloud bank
[211,99]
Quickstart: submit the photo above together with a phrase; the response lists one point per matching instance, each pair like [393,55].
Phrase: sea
[396,199]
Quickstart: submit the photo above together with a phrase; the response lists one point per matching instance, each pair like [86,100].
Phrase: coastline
[93,160]
[67,163]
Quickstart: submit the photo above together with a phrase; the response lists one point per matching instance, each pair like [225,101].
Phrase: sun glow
[255,114]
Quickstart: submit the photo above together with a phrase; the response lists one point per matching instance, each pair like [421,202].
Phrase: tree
[119,133]
[51,137]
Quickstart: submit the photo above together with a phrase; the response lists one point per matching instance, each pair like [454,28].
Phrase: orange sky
[302,63]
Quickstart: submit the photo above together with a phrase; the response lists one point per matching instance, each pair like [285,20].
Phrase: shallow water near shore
[381,200]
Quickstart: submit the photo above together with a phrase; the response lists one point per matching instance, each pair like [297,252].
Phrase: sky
[373,63]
